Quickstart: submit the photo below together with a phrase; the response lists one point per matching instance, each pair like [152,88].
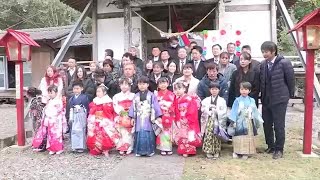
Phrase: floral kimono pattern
[144,111]
[245,114]
[214,113]
[35,112]
[121,104]
[53,126]
[187,136]
[166,102]
[102,135]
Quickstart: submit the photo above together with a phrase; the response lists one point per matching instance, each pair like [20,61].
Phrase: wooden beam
[144,3]
[94,31]
[273,16]
[254,7]
[62,52]
[127,25]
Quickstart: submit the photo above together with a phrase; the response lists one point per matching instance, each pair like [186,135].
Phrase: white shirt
[165,64]
[272,61]
[71,71]
[157,77]
[182,63]
[196,64]
[155,58]
[216,60]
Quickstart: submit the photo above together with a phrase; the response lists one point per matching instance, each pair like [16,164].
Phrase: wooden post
[273,16]
[94,30]
[127,25]
[144,40]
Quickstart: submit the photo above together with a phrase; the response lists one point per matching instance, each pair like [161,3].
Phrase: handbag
[218,131]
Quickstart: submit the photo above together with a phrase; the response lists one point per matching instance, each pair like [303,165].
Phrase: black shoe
[269,151]
[277,155]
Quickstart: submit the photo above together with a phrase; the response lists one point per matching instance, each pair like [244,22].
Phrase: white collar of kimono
[104,99]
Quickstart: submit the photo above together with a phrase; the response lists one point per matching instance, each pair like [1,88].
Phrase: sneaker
[185,155]
[121,152]
[235,156]
[80,151]
[150,155]
[59,152]
[209,156]
[128,152]
[51,152]
[277,155]
[138,155]
[216,156]
[36,150]
[163,153]
[169,153]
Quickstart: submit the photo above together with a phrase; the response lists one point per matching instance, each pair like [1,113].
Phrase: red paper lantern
[223,32]
[238,32]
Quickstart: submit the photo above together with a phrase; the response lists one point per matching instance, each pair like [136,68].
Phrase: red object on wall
[223,32]
[238,32]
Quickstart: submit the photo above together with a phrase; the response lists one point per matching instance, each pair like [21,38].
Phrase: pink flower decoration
[238,53]
[238,32]
[238,43]
[223,32]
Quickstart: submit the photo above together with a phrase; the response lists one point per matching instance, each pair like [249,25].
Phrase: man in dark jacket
[136,61]
[277,85]
[72,64]
[199,68]
[212,75]
[173,48]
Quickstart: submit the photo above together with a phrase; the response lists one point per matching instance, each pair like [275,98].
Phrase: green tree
[23,14]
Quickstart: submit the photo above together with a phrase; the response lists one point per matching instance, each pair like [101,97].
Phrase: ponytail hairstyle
[33,92]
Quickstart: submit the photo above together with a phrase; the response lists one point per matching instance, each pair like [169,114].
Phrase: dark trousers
[274,125]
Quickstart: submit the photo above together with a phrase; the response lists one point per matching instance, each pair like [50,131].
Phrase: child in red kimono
[102,135]
[121,103]
[187,135]
[166,101]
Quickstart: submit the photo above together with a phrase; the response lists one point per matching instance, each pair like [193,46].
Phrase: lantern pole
[308,112]
[20,99]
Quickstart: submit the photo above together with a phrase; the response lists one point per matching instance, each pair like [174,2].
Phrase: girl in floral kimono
[36,107]
[166,101]
[121,103]
[187,136]
[246,120]
[102,135]
[214,113]
[53,124]
[146,115]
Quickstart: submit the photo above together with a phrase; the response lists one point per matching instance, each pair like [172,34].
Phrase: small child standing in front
[78,108]
[54,124]
[36,107]
[102,135]
[146,114]
[246,120]
[121,103]
[166,101]
[214,113]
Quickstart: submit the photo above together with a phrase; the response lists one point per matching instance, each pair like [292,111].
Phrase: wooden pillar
[220,13]
[94,30]
[273,16]
[127,25]
[144,40]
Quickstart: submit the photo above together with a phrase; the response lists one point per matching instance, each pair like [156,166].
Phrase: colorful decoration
[205,34]
[223,32]
[238,49]
[238,43]
[238,32]
[238,53]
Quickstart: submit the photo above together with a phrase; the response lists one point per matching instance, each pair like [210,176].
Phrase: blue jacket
[203,90]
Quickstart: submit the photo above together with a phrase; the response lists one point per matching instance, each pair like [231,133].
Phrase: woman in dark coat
[245,72]
[172,74]
[88,85]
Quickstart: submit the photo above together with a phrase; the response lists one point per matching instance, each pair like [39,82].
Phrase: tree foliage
[24,14]
[303,7]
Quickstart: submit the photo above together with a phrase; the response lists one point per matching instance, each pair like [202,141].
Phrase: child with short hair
[78,107]
[146,114]
[54,124]
[102,135]
[166,101]
[246,120]
[214,113]
[121,103]
[187,136]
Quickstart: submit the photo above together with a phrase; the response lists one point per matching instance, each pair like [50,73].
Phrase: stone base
[312,155]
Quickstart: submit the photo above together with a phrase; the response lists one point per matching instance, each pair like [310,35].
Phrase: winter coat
[203,90]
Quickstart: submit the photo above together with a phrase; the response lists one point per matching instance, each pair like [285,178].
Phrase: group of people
[175,97]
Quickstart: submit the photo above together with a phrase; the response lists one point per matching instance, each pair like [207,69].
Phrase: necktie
[196,63]
[270,64]
[181,67]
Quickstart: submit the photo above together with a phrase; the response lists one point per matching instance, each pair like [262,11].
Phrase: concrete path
[144,168]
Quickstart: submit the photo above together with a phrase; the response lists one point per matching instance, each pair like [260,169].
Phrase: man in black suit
[230,49]
[199,68]
[182,60]
[216,51]
[72,63]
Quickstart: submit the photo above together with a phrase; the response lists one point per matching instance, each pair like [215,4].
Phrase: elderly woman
[225,67]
